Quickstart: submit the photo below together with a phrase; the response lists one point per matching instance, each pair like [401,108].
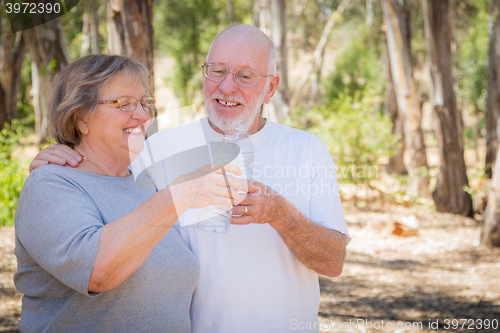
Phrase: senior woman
[97,253]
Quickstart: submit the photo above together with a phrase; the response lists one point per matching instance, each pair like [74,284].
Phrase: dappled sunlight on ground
[10,298]
[440,274]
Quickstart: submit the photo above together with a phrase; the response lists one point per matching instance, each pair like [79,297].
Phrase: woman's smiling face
[112,130]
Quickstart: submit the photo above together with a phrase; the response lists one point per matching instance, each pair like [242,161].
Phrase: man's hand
[321,249]
[56,154]
[263,204]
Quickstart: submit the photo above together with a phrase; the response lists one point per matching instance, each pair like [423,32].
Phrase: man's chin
[225,124]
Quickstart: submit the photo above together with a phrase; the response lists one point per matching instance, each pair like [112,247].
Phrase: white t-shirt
[249,280]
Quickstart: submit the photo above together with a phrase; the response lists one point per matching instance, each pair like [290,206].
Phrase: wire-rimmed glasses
[244,77]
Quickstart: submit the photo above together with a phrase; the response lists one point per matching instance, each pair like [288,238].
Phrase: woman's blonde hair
[77,90]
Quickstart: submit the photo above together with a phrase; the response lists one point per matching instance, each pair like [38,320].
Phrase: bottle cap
[241,127]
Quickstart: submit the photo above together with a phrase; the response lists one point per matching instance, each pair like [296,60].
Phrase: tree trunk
[256,13]
[265,16]
[49,55]
[130,31]
[369,13]
[13,47]
[94,29]
[41,98]
[3,102]
[90,29]
[493,99]
[315,84]
[230,10]
[396,162]
[3,108]
[281,99]
[85,31]
[13,75]
[449,194]
[490,231]
[406,97]
[406,26]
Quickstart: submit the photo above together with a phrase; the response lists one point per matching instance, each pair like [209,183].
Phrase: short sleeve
[59,227]
[324,195]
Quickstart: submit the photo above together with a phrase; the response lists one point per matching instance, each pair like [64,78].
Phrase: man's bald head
[251,35]
[240,48]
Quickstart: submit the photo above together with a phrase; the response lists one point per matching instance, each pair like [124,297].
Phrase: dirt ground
[10,298]
[395,283]
[440,274]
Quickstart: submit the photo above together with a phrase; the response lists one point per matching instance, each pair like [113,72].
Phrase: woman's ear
[82,126]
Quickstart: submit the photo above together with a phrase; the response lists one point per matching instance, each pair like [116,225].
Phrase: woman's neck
[96,161]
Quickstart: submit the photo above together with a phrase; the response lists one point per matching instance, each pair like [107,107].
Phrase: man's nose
[229,85]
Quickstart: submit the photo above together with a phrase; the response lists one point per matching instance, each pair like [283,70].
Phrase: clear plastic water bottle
[218,218]
[245,158]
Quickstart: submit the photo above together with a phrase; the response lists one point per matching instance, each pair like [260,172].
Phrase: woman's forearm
[125,243]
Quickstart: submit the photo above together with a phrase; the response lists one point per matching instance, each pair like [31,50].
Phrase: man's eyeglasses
[244,77]
[129,103]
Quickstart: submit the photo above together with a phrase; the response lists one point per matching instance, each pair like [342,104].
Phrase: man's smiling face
[227,103]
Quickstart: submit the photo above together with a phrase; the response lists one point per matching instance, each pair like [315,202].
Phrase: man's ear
[273,85]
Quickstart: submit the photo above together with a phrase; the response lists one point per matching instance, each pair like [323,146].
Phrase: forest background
[394,87]
[405,93]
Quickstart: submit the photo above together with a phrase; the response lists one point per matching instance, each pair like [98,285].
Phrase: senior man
[261,276]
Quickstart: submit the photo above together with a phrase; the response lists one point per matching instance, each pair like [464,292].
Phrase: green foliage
[478,188]
[12,175]
[181,29]
[473,60]
[418,46]
[184,29]
[25,108]
[358,68]
[72,23]
[306,24]
[51,67]
[356,134]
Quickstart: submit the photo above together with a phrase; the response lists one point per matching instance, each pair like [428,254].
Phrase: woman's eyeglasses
[129,103]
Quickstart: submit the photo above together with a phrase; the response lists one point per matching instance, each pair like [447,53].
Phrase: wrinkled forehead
[242,49]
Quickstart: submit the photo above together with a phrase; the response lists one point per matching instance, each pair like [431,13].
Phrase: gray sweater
[58,224]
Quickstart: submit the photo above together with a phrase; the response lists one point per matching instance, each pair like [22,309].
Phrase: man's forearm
[319,248]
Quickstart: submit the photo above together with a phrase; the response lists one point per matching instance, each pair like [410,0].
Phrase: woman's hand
[205,187]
